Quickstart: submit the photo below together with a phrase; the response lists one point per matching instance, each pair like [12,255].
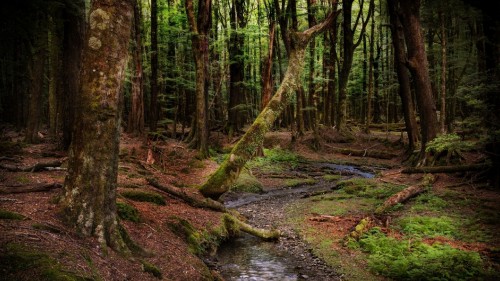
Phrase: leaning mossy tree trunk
[220,181]
[89,201]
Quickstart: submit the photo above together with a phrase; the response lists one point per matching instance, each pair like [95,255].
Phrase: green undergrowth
[247,182]
[425,226]
[8,215]
[275,160]
[20,263]
[409,259]
[142,196]
[456,216]
[127,212]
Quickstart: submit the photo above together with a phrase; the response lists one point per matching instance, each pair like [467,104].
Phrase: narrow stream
[249,258]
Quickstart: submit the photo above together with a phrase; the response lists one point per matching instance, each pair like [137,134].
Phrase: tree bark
[89,201]
[442,117]
[220,181]
[418,66]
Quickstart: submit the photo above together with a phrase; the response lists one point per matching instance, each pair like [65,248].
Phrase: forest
[249,140]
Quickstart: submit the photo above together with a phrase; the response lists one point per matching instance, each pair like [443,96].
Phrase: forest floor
[180,240]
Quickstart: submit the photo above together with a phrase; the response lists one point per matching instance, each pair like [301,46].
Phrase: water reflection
[248,258]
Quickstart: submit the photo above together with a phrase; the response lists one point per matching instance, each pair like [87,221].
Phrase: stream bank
[248,258]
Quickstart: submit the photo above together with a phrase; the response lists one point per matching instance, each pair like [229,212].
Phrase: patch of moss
[151,269]
[19,263]
[329,177]
[368,188]
[23,179]
[8,215]
[142,196]
[298,182]
[246,182]
[127,212]
[428,201]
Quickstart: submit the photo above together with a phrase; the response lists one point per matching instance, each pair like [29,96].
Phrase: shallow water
[249,258]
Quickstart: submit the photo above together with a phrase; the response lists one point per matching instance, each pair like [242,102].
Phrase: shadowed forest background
[196,99]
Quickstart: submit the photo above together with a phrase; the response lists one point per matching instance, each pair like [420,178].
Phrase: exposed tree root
[379,154]
[446,169]
[33,168]
[29,188]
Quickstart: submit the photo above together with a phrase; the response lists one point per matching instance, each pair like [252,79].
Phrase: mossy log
[192,201]
[222,179]
[406,194]
[379,154]
[446,169]
[363,226]
[33,168]
[29,188]
[234,223]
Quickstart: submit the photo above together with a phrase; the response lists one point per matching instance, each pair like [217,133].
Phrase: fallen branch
[34,168]
[406,194]
[192,201]
[379,154]
[325,218]
[40,187]
[446,169]
[366,223]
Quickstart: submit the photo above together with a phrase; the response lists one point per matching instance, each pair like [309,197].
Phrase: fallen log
[192,201]
[33,168]
[264,234]
[378,154]
[446,169]
[406,194]
[40,187]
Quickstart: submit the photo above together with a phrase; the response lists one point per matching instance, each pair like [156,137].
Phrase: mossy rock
[246,182]
[19,263]
[127,212]
[8,215]
[142,196]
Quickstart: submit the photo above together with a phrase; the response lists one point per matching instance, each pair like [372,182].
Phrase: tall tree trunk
[153,102]
[89,201]
[403,75]
[55,73]
[74,33]
[311,116]
[267,78]
[36,75]
[442,118]
[236,66]
[370,76]
[199,28]
[220,181]
[136,115]
[417,63]
[349,45]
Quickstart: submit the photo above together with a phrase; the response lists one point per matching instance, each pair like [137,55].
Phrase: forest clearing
[249,140]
